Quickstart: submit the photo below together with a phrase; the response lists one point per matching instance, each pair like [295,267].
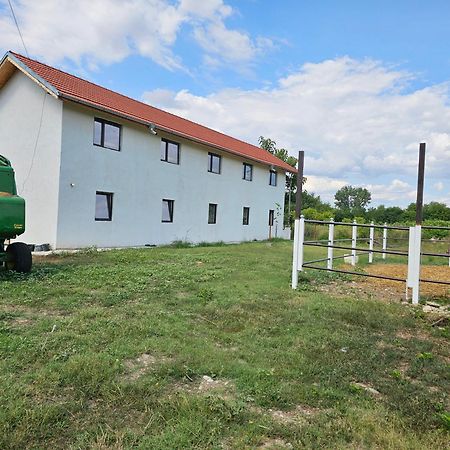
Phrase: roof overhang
[9,64]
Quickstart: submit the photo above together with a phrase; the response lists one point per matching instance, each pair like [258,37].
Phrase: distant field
[209,348]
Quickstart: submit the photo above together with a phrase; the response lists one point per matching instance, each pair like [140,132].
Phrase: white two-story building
[98,168]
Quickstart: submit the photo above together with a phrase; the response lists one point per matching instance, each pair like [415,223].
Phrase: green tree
[291,178]
[436,211]
[352,201]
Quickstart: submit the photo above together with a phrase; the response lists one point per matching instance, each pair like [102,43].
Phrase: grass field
[209,348]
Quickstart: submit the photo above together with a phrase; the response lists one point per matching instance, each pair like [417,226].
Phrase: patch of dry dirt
[381,289]
[207,385]
[435,273]
[275,444]
[137,367]
[293,416]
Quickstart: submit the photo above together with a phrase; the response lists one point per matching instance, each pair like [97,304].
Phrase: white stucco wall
[139,181]
[34,154]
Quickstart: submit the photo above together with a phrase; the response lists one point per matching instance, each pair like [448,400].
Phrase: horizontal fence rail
[413,254]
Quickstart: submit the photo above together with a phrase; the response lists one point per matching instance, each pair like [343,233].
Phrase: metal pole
[371,239]
[354,239]
[330,242]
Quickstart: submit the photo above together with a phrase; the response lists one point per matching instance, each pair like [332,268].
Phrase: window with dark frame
[212,213]
[271,217]
[245,215]
[247,172]
[107,134]
[170,151]
[273,178]
[103,206]
[167,210]
[214,163]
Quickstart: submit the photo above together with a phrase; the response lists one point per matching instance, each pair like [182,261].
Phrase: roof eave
[30,73]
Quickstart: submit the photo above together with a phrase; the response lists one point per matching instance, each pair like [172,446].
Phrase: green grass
[71,331]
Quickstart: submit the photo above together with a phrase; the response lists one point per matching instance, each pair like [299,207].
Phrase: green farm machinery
[17,255]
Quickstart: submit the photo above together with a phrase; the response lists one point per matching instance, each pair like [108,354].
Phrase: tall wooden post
[420,183]
[415,234]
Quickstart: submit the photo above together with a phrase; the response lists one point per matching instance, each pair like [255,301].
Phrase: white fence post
[330,242]
[294,281]
[297,255]
[371,238]
[384,240]
[354,240]
[415,240]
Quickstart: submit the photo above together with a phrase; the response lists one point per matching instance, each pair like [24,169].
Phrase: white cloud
[107,31]
[439,186]
[326,187]
[395,191]
[357,120]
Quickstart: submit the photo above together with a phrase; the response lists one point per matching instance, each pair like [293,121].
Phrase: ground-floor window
[212,213]
[271,217]
[167,210]
[245,215]
[103,206]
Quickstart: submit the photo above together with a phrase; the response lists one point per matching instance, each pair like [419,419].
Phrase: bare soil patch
[207,385]
[275,444]
[288,417]
[143,363]
[435,273]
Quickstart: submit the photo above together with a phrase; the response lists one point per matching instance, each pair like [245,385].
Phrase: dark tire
[19,257]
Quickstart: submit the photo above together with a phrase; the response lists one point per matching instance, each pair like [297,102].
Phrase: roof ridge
[138,101]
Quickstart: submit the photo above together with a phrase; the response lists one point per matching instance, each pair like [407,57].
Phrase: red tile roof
[77,89]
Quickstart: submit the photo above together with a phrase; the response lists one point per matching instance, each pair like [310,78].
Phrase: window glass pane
[271,215]
[102,211]
[167,210]
[163,150]
[97,132]
[212,213]
[245,215]
[248,169]
[273,178]
[112,136]
[172,153]
[215,167]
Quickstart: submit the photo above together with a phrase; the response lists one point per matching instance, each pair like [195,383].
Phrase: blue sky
[356,84]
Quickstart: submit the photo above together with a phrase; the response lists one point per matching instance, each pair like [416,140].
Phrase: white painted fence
[413,255]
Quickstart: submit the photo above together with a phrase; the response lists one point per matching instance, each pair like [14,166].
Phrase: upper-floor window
[273,178]
[107,134]
[214,163]
[170,151]
[103,206]
[167,210]
[245,215]
[247,172]
[212,213]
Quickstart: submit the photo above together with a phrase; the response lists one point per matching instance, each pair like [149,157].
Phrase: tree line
[350,202]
